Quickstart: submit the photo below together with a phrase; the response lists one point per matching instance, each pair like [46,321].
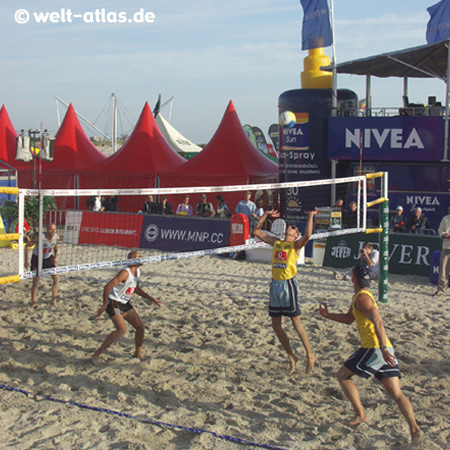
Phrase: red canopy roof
[229,158]
[72,149]
[145,151]
[8,137]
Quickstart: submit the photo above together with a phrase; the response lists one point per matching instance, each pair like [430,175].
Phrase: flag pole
[333,64]
[333,97]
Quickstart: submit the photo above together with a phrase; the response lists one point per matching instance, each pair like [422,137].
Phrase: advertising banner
[401,138]
[101,228]
[409,254]
[178,234]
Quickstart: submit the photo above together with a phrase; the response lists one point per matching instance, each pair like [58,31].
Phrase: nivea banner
[181,234]
[401,138]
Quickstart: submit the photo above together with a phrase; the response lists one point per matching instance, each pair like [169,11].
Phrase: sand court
[212,362]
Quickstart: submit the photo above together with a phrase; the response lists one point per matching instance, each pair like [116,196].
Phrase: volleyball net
[95,239]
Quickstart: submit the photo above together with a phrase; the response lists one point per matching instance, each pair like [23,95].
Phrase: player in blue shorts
[284,287]
[376,354]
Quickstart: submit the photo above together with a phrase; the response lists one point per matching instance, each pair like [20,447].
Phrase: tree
[9,210]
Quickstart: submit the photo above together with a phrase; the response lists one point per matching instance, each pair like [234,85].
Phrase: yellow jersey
[365,326]
[284,260]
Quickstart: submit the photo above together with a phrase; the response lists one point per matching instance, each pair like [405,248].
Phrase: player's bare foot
[138,355]
[310,363]
[33,305]
[292,362]
[416,436]
[357,420]
[54,305]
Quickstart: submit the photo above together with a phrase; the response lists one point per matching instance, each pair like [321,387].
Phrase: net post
[384,246]
[21,216]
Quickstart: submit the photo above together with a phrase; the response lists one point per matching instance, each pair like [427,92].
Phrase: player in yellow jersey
[284,287]
[375,356]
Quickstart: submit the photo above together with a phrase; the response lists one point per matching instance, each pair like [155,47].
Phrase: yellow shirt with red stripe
[365,326]
[284,260]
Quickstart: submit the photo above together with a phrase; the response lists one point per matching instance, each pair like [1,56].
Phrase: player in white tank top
[50,253]
[116,302]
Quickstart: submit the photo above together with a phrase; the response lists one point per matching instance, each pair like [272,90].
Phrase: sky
[203,53]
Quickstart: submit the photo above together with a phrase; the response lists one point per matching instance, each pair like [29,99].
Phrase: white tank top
[48,246]
[122,293]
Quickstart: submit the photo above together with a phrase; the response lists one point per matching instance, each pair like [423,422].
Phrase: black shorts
[116,308]
[47,263]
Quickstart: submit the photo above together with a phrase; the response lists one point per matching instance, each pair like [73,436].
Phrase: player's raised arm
[262,235]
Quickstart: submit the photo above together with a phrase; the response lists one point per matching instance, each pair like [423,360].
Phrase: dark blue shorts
[366,362]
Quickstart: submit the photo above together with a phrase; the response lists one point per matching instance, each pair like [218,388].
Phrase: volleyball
[287,119]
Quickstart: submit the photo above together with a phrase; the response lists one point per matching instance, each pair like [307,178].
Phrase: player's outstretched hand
[155,301]
[100,312]
[323,309]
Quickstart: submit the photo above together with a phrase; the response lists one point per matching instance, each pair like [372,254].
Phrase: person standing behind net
[204,208]
[246,206]
[150,206]
[184,208]
[116,302]
[164,208]
[375,356]
[444,262]
[284,286]
[222,209]
[50,258]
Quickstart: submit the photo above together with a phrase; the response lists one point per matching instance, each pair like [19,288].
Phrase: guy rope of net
[95,239]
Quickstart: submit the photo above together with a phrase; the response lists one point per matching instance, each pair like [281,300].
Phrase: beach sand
[212,363]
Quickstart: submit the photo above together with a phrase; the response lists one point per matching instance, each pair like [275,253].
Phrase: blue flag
[438,28]
[316,30]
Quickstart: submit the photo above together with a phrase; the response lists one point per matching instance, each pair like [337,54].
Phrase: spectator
[184,208]
[444,263]
[110,203]
[370,257]
[164,207]
[351,217]
[98,203]
[246,207]
[150,206]
[339,203]
[417,222]
[397,221]
[259,208]
[204,208]
[222,210]
[26,231]
[90,203]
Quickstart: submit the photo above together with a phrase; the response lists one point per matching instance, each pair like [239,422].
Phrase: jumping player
[284,287]
[116,302]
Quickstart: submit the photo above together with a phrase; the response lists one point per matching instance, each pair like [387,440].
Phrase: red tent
[72,150]
[137,164]
[228,159]
[8,137]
